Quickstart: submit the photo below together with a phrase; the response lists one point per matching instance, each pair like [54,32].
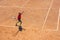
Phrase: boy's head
[19,13]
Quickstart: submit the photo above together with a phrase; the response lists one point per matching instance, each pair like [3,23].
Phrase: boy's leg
[17,23]
[20,22]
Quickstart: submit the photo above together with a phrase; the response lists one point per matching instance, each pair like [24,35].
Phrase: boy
[19,19]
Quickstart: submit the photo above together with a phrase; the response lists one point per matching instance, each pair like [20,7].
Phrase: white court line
[51,30]
[47,14]
[22,7]
[58,20]
[57,23]
[6,26]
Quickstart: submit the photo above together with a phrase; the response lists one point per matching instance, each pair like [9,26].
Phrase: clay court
[41,19]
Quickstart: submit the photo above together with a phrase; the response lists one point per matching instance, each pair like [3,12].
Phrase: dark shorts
[20,28]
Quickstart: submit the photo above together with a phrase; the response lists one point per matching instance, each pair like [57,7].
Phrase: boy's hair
[19,13]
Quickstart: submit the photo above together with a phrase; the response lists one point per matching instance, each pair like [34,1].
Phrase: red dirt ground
[33,18]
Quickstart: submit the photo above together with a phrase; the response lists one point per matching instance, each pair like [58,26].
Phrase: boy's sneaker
[16,24]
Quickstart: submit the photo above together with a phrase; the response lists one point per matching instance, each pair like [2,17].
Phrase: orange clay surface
[40,19]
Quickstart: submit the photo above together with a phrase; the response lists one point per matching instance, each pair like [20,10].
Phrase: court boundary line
[57,28]
[7,26]
[58,20]
[51,30]
[47,14]
[24,7]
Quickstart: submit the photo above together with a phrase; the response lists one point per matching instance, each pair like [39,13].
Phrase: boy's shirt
[19,16]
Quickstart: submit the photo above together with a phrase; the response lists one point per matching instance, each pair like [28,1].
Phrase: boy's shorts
[20,28]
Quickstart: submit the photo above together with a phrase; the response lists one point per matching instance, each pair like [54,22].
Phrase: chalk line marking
[7,26]
[21,7]
[58,20]
[47,14]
